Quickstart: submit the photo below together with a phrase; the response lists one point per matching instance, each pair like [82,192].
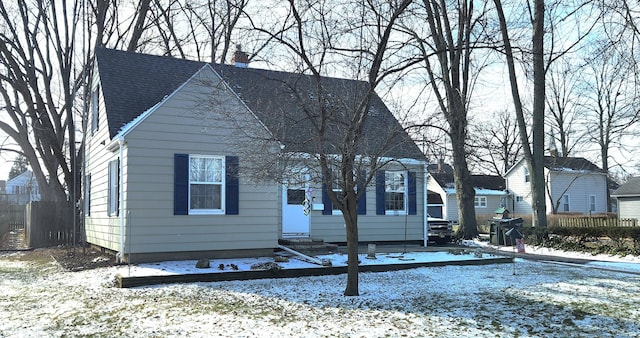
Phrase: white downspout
[425,219]
[121,196]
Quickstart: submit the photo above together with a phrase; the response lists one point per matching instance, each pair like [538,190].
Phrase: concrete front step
[309,246]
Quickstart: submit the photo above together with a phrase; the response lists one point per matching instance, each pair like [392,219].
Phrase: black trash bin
[499,226]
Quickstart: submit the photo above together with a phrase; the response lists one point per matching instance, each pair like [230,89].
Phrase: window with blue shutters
[205,184]
[396,193]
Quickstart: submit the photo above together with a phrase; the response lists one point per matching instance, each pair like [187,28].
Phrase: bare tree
[611,103]
[534,153]
[320,37]
[496,145]
[562,100]
[200,29]
[444,48]
[46,58]
[553,19]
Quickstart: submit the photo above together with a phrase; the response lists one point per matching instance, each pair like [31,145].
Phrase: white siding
[629,207]
[517,185]
[493,203]
[578,186]
[101,229]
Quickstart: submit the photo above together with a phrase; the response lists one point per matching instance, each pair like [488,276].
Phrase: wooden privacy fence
[15,217]
[587,221]
[48,224]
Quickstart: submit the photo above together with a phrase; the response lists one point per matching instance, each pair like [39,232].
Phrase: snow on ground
[244,264]
[540,299]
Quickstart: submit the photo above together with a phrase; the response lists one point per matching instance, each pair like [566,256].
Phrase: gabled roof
[132,83]
[285,103]
[563,164]
[490,182]
[629,189]
[24,178]
[570,163]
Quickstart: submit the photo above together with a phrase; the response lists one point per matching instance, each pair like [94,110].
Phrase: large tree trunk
[534,155]
[350,216]
[537,164]
[462,177]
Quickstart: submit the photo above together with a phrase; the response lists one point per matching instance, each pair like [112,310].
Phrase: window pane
[205,169]
[295,196]
[338,193]
[206,196]
[394,190]
[394,201]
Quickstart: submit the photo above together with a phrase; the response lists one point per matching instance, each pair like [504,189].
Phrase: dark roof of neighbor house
[284,102]
[629,189]
[573,163]
[440,168]
[492,182]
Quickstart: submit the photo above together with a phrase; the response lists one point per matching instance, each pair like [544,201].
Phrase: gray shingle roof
[491,182]
[573,163]
[630,188]
[132,83]
[285,102]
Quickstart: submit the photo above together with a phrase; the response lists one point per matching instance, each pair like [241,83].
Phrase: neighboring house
[167,179]
[489,189]
[22,189]
[572,185]
[628,197]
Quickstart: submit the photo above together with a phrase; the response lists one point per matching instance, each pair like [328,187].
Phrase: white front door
[295,211]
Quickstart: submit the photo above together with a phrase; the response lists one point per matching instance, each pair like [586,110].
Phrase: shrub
[577,238]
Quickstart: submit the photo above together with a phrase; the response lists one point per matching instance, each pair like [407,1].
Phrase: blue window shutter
[328,206]
[362,189]
[232,188]
[180,184]
[413,202]
[380,195]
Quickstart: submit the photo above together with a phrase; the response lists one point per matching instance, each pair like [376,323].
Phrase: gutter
[121,195]
[425,219]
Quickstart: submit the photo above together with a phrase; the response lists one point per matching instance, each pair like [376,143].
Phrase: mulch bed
[69,258]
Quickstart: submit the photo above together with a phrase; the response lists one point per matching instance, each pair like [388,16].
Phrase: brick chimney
[240,58]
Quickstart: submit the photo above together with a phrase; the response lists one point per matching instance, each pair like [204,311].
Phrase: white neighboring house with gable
[572,184]
[23,189]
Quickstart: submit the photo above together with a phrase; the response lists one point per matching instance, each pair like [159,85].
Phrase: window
[527,176]
[503,202]
[95,103]
[480,201]
[113,191]
[519,199]
[395,184]
[206,184]
[565,202]
[396,192]
[592,203]
[87,195]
